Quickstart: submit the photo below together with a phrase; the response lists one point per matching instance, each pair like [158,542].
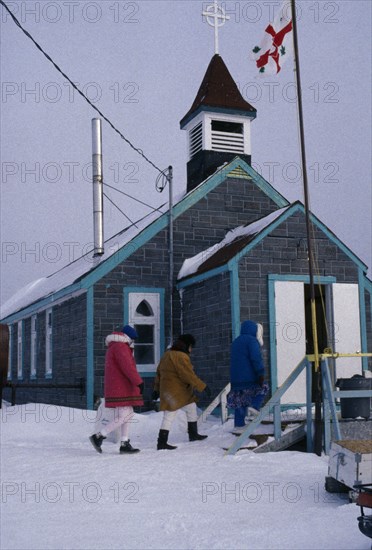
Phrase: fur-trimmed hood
[118,337]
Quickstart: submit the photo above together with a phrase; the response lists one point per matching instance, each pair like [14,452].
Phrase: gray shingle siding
[201,226]
[207,315]
[69,356]
[206,307]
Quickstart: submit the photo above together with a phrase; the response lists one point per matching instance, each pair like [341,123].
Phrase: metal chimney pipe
[97,187]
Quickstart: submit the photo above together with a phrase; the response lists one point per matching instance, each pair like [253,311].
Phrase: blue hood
[249,327]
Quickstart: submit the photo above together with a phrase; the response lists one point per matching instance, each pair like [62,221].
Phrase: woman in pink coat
[123,387]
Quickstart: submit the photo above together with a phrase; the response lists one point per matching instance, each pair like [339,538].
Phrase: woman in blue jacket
[246,372]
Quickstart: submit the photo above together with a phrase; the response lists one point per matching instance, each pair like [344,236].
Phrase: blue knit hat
[130,331]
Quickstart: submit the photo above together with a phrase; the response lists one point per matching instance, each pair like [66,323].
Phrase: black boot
[126,447]
[163,441]
[193,432]
[96,440]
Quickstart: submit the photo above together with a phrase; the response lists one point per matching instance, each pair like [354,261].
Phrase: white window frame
[153,299]
[20,350]
[33,359]
[48,342]
[9,374]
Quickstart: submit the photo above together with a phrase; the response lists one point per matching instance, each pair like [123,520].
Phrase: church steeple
[218,124]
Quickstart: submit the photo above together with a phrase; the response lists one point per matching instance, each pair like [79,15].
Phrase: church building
[239,252]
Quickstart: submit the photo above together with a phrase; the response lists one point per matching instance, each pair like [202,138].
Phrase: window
[144,315]
[20,350]
[145,345]
[10,352]
[227,136]
[48,343]
[228,127]
[33,345]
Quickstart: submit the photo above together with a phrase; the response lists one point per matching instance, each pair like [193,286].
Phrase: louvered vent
[227,136]
[196,139]
[239,173]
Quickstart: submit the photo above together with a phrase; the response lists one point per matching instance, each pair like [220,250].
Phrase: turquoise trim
[303,278]
[272,335]
[153,290]
[235,302]
[225,110]
[90,348]
[272,278]
[189,200]
[332,237]
[368,285]
[329,408]
[182,206]
[262,234]
[125,251]
[290,211]
[42,304]
[218,177]
[235,260]
[202,277]
[298,207]
[264,185]
[267,408]
[363,319]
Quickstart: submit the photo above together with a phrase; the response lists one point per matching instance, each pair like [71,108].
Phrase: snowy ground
[58,493]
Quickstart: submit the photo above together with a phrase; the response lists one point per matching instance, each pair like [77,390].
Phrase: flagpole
[317,382]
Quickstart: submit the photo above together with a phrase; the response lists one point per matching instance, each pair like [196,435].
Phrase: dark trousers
[240,412]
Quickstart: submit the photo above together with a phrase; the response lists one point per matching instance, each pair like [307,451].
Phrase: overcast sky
[141,63]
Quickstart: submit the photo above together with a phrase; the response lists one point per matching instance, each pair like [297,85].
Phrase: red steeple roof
[218,90]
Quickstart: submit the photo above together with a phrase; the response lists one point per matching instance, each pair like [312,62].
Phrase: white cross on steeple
[216,17]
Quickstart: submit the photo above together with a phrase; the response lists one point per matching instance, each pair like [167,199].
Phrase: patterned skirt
[247,397]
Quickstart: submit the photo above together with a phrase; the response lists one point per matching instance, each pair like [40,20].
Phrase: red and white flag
[277,44]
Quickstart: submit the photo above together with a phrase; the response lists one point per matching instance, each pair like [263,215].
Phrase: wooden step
[288,439]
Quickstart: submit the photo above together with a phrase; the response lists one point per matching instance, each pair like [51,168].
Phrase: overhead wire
[139,151]
[134,198]
[120,210]
[131,197]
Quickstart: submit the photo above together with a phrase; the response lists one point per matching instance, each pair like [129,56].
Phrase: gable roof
[71,277]
[218,91]
[86,270]
[242,239]
[220,253]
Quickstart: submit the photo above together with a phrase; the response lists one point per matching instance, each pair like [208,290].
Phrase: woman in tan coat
[175,383]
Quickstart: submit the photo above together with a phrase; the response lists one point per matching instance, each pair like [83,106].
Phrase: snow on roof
[193,265]
[71,273]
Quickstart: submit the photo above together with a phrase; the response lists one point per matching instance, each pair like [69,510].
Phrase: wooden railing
[273,405]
